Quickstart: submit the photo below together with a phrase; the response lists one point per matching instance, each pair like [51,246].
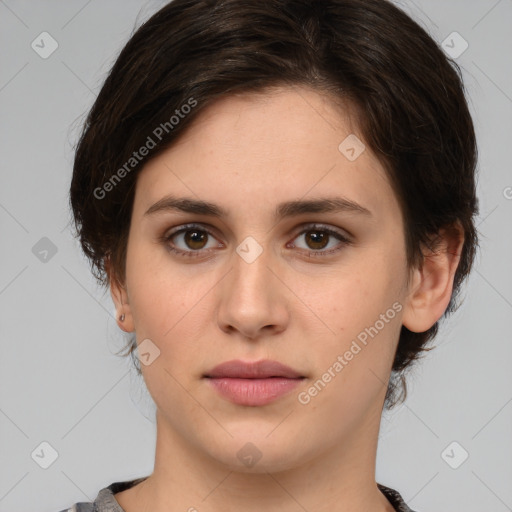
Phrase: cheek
[362,308]
[164,308]
[357,297]
[150,293]
[167,301]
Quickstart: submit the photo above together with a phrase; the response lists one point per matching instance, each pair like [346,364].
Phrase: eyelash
[344,241]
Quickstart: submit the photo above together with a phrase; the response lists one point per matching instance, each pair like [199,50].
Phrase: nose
[253,301]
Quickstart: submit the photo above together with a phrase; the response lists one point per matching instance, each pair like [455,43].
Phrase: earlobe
[119,296]
[431,286]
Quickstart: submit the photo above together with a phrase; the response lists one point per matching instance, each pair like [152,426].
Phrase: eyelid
[311,226]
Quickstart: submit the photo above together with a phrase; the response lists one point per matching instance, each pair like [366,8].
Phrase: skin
[247,154]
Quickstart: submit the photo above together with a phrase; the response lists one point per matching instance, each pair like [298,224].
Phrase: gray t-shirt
[106,502]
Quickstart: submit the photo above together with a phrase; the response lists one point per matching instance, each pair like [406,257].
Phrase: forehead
[283,144]
[274,116]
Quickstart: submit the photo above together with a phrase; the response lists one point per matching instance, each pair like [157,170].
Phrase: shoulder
[105,501]
[394,498]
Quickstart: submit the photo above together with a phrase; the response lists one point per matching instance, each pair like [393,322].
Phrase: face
[258,276]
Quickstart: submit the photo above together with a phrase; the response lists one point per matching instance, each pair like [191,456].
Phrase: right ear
[124,317]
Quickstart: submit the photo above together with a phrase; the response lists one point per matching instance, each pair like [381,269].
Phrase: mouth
[264,369]
[254,383]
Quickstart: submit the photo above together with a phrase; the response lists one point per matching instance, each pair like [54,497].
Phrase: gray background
[61,383]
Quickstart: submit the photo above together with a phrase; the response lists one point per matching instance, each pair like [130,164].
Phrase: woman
[280,196]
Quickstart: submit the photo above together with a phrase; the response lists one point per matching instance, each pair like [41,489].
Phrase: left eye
[317,238]
[195,240]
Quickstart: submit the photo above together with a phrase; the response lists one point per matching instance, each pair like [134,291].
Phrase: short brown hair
[409,96]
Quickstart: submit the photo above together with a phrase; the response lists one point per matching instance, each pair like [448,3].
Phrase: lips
[254,370]
[255,383]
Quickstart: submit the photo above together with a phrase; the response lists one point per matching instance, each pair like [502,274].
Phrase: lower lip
[253,392]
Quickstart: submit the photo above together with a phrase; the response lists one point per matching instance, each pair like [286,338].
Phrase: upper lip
[252,370]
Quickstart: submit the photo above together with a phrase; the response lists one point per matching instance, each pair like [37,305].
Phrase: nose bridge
[250,269]
[249,299]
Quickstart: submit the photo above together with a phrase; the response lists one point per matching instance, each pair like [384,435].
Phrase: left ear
[431,285]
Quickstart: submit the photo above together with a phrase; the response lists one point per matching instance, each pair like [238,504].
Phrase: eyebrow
[283,210]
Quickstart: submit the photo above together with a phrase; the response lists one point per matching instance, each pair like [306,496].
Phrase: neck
[185,479]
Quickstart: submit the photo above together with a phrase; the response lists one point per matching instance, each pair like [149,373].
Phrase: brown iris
[195,236]
[318,238]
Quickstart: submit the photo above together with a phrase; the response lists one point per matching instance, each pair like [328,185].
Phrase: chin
[259,454]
